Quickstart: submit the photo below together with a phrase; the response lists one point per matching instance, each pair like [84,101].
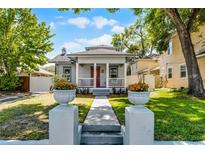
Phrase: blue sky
[76,31]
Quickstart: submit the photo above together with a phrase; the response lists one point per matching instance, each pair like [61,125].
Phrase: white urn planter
[138,98]
[63,97]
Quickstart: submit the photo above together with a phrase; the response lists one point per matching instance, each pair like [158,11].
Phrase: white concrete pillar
[125,75]
[139,126]
[107,75]
[95,74]
[77,68]
[63,125]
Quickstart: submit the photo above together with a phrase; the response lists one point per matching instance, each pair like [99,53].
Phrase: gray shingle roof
[60,58]
[99,52]
[101,47]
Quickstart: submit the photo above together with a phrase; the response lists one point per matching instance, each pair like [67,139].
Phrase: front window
[67,72]
[170,49]
[169,72]
[183,71]
[113,72]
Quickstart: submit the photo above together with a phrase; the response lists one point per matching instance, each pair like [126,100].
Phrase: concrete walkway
[101,113]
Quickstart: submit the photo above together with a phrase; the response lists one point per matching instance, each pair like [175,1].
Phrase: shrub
[140,87]
[9,82]
[63,84]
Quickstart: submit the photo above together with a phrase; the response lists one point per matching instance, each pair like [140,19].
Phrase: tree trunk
[195,82]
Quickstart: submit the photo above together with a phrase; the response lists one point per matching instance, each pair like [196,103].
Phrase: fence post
[139,126]
[63,125]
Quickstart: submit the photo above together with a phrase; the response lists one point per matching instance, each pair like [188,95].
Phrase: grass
[28,119]
[177,115]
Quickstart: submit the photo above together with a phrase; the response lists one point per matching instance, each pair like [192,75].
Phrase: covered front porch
[101,75]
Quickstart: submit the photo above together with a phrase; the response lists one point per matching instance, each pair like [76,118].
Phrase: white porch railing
[89,82]
[116,82]
[86,82]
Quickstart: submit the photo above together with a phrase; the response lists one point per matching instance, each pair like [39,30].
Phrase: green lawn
[28,119]
[177,115]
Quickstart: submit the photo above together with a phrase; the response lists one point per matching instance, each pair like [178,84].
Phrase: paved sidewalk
[9,98]
[101,113]
[46,142]
[25,142]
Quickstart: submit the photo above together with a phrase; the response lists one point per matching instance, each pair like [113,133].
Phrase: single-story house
[97,67]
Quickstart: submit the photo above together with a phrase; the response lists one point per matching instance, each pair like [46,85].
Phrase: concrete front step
[101,135]
[101,138]
[101,128]
[101,91]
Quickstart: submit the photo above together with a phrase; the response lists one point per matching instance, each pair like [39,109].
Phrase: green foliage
[24,41]
[63,84]
[160,27]
[75,10]
[134,39]
[81,10]
[9,82]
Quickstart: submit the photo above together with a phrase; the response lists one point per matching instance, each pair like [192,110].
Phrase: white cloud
[81,43]
[81,22]
[117,29]
[59,17]
[100,22]
[71,45]
[61,23]
[104,39]
[52,25]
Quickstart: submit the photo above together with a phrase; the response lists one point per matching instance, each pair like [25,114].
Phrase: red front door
[97,75]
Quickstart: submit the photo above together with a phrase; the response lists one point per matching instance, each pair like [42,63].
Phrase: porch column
[76,73]
[125,75]
[107,75]
[95,66]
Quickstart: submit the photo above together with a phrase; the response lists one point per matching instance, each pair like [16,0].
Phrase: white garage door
[40,84]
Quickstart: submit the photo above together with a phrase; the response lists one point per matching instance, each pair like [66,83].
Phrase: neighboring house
[173,69]
[37,81]
[146,70]
[99,66]
[149,65]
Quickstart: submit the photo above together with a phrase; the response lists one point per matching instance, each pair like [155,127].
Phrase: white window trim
[168,72]
[183,64]
[110,74]
[70,67]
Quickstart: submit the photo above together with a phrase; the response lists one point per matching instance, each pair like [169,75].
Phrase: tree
[134,39]
[24,41]
[163,22]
